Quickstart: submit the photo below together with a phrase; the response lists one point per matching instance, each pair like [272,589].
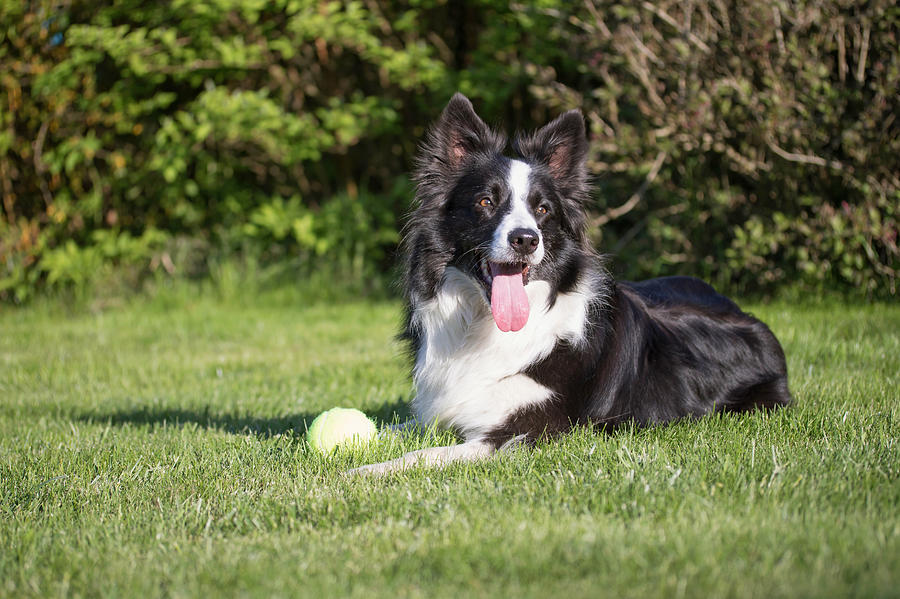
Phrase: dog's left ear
[561,145]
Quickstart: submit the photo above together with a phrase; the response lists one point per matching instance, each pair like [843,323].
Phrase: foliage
[762,138]
[754,144]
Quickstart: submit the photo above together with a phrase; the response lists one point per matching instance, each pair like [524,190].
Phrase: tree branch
[664,16]
[805,158]
[629,205]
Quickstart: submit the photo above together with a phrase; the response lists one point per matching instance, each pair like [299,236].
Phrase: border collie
[517,330]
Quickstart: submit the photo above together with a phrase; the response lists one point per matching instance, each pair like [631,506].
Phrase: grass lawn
[156,449]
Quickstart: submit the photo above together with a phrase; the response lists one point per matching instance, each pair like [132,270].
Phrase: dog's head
[503,221]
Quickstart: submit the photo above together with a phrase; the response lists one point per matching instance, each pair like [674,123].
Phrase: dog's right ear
[456,136]
[562,146]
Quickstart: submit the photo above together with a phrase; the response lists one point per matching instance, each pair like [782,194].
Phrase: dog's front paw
[378,469]
[362,470]
[432,457]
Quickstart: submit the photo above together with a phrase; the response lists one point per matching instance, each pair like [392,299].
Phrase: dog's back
[688,291]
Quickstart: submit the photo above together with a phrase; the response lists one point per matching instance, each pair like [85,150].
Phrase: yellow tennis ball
[339,427]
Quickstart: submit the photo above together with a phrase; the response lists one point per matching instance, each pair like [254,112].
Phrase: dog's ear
[457,135]
[562,146]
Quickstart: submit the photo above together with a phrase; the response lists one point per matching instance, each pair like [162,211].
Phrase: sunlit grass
[156,449]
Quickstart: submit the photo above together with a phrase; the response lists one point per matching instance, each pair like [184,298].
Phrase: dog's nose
[524,241]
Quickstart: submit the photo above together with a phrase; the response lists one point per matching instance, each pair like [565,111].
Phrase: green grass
[156,449]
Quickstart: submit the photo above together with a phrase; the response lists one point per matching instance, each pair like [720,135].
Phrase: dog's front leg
[438,457]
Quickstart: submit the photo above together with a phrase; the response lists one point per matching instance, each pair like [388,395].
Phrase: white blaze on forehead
[518,217]
[519,183]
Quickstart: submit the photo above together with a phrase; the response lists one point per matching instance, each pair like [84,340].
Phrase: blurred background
[754,144]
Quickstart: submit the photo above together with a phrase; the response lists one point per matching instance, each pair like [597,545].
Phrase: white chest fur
[468,373]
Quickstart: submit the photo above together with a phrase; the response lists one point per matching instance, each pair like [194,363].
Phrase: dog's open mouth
[509,302]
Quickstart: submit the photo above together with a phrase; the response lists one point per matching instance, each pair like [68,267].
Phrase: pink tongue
[509,304]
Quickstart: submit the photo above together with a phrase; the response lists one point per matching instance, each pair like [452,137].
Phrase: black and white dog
[517,330]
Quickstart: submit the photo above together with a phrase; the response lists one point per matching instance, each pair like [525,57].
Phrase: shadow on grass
[293,424]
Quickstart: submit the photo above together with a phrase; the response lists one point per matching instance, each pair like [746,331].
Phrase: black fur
[655,351]
[661,350]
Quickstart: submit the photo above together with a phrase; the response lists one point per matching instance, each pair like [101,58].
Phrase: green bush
[753,144]
[762,138]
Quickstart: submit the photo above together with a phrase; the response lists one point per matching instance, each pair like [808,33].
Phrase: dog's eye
[542,210]
[485,202]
